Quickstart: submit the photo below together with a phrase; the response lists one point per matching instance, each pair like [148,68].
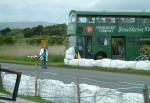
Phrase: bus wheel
[100,55]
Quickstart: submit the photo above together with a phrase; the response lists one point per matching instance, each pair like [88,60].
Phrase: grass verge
[36,99]
[113,70]
[2,90]
[30,98]
[53,60]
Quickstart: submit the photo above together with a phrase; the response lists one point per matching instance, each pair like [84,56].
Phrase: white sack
[85,62]
[106,62]
[131,64]
[59,92]
[118,64]
[132,98]
[143,65]
[70,51]
[74,62]
[97,63]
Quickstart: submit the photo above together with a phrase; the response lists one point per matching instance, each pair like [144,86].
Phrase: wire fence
[77,89]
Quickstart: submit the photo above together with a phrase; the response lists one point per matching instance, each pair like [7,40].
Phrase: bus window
[128,20]
[72,41]
[103,41]
[109,20]
[138,20]
[80,29]
[145,40]
[81,19]
[90,20]
[100,19]
[80,43]
[146,20]
[118,20]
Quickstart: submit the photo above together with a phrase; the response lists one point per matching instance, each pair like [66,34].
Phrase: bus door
[118,47]
[88,46]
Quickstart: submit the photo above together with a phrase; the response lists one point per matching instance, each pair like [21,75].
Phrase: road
[99,78]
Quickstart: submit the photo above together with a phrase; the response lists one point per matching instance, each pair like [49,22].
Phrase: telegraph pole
[1,83]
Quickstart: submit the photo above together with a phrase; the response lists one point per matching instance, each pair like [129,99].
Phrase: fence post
[78,90]
[146,94]
[1,83]
[15,92]
[95,97]
[36,78]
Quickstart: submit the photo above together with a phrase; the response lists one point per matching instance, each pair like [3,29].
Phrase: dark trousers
[44,63]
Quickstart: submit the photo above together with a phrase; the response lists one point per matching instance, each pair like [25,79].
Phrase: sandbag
[106,62]
[143,65]
[118,64]
[70,51]
[85,62]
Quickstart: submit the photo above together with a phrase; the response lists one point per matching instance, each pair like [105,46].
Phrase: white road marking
[5,67]
[50,73]
[133,87]
[130,83]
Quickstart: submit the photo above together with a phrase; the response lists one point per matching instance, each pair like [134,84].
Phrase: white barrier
[59,92]
[138,65]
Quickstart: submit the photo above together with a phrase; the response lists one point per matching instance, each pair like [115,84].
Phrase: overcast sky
[57,11]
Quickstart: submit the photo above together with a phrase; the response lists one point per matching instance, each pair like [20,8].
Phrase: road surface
[99,78]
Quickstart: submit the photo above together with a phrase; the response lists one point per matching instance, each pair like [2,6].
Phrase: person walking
[43,55]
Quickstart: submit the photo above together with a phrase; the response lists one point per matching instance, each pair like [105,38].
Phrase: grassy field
[19,53]
[25,50]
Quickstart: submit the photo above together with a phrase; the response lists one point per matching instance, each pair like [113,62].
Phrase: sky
[57,11]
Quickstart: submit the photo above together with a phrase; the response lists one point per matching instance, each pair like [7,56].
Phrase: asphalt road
[119,81]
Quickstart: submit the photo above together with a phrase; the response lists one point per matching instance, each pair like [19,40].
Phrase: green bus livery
[109,34]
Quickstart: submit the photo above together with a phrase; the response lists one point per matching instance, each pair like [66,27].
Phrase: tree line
[55,33]
[59,29]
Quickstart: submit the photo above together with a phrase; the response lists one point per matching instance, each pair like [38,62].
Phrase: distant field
[25,50]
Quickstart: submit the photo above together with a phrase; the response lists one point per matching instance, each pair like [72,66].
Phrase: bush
[52,40]
[145,50]
[1,40]
[56,58]
[56,40]
[144,53]
[6,40]
[34,41]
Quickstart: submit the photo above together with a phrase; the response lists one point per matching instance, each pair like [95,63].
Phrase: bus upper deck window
[81,19]
[105,20]
[119,20]
[139,20]
[90,20]
[113,20]
[109,20]
[146,20]
[128,20]
[100,19]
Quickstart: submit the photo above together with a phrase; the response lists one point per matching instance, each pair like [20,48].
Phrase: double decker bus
[109,34]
